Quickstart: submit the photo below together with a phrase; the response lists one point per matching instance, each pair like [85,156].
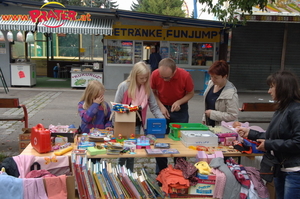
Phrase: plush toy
[203,167]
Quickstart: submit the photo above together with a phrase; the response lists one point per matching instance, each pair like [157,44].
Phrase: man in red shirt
[173,87]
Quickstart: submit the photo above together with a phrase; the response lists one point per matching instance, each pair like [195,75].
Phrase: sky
[125,5]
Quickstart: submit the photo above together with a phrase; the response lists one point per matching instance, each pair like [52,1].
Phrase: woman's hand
[99,99]
[165,112]
[242,131]
[207,113]
[261,147]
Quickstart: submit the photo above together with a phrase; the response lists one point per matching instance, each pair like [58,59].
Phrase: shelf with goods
[120,52]
[179,52]
[203,54]
[138,52]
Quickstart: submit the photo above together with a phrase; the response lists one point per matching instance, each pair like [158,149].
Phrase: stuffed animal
[203,167]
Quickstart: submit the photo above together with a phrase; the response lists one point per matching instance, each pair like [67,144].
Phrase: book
[152,182]
[108,180]
[114,181]
[87,181]
[130,184]
[90,168]
[162,151]
[162,145]
[98,182]
[76,171]
[125,185]
[135,183]
[80,178]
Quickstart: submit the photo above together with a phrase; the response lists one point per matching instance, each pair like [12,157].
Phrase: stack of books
[102,180]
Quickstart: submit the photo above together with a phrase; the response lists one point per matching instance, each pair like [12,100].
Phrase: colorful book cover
[79,178]
[109,182]
[90,168]
[87,179]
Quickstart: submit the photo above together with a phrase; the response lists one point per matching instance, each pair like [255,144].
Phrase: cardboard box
[124,128]
[23,145]
[26,134]
[124,124]
[202,189]
[125,117]
[199,138]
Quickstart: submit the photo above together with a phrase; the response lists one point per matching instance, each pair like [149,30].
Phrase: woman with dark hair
[220,97]
[282,138]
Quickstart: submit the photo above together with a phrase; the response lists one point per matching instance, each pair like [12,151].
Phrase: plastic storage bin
[175,129]
[156,127]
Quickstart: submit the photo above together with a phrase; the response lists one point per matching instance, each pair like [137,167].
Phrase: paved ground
[59,106]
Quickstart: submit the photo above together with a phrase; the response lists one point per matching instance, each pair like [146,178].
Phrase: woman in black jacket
[282,138]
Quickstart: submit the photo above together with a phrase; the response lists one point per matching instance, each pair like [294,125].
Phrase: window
[179,52]
[119,52]
[202,54]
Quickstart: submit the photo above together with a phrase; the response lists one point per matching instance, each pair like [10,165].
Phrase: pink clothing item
[24,163]
[56,187]
[128,100]
[220,183]
[141,99]
[34,188]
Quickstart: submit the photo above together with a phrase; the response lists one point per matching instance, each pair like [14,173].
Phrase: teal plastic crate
[175,131]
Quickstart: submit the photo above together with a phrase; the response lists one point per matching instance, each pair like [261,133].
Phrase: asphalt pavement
[59,106]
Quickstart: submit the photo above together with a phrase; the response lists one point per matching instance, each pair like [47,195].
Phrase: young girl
[93,110]
[136,90]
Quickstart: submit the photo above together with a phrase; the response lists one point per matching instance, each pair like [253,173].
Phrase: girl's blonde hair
[91,92]
[139,68]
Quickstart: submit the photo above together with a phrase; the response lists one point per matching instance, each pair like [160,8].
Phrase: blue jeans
[181,116]
[129,162]
[287,185]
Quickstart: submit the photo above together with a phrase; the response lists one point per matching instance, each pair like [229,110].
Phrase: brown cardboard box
[23,145]
[124,124]
[26,134]
[271,189]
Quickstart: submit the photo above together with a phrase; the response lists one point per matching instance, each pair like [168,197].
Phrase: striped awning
[93,27]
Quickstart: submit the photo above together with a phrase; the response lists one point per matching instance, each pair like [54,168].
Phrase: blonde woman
[93,110]
[136,90]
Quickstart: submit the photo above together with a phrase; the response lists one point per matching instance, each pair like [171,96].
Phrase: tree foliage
[163,7]
[227,11]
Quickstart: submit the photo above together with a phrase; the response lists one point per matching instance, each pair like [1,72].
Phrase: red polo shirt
[173,90]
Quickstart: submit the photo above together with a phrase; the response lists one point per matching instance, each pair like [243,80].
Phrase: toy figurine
[132,150]
[120,136]
[132,136]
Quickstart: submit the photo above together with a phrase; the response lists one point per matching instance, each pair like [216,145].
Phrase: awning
[93,27]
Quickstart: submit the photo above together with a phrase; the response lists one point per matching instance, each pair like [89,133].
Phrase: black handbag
[269,167]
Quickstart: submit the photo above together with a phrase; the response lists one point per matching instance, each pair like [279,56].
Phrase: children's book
[162,145]
[162,151]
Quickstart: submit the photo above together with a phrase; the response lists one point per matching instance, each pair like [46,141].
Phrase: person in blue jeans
[173,87]
[282,138]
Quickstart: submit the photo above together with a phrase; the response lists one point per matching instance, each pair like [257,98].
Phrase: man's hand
[175,106]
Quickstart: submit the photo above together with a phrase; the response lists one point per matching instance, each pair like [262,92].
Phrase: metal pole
[195,10]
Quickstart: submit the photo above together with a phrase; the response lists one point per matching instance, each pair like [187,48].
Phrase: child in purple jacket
[93,110]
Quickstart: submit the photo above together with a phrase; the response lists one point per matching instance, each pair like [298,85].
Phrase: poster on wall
[82,79]
[164,52]
[2,48]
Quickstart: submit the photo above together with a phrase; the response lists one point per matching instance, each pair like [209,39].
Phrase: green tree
[226,11]
[164,7]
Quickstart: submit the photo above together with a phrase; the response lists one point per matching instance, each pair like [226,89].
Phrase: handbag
[269,167]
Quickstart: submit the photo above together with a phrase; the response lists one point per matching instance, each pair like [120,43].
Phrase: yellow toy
[203,167]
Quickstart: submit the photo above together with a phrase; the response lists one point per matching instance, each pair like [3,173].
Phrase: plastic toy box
[156,127]
[176,128]
[41,139]
[198,138]
[253,146]
[223,132]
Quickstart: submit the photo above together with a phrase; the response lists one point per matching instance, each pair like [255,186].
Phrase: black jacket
[283,135]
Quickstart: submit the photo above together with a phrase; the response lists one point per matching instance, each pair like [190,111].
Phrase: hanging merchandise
[2,38]
[20,36]
[29,37]
[10,36]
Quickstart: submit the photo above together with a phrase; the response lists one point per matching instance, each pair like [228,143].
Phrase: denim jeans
[287,185]
[181,116]
[129,162]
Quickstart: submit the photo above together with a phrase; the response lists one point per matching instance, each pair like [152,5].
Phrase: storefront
[193,49]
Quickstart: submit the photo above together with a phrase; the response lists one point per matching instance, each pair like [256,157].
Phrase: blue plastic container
[156,127]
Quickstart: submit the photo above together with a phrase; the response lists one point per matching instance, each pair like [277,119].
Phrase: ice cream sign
[44,16]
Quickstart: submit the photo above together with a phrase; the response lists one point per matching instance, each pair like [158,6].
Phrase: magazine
[162,145]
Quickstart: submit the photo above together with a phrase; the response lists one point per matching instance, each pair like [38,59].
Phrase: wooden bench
[257,107]
[13,103]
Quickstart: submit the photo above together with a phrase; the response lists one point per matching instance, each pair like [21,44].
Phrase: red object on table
[176,125]
[41,139]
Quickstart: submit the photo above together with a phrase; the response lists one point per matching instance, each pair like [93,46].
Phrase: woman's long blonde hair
[91,92]
[139,68]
